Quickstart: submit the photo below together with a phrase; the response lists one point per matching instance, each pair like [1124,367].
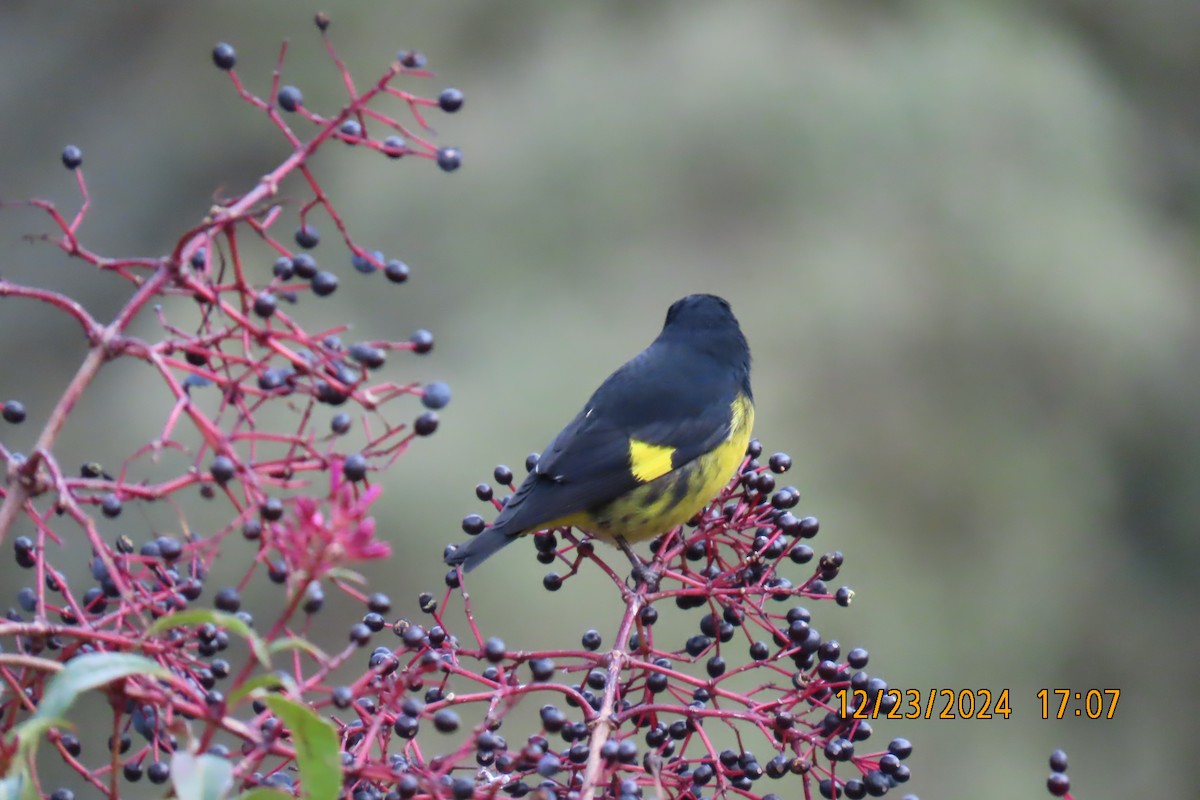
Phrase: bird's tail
[476,551]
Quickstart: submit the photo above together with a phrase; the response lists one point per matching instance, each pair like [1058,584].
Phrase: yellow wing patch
[649,461]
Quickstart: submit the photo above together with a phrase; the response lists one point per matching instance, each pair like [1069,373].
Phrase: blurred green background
[961,238]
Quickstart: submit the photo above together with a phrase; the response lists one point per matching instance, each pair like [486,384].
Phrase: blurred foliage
[961,238]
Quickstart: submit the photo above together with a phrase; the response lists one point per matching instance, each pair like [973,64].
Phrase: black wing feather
[654,398]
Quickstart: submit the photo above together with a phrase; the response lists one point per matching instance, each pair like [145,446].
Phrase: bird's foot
[643,573]
[646,576]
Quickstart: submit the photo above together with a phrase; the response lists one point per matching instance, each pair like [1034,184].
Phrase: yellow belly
[671,499]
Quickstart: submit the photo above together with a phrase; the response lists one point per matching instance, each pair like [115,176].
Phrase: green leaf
[272,680]
[82,674]
[89,672]
[200,777]
[316,743]
[31,730]
[348,575]
[19,786]
[297,643]
[265,793]
[12,787]
[199,616]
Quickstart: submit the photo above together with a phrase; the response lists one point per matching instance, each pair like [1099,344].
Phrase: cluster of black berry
[187,688]
[645,716]
[1058,783]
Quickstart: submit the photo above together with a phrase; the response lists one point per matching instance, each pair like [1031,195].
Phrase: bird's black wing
[650,400]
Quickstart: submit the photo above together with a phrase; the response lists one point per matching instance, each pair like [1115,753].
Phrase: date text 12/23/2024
[971,704]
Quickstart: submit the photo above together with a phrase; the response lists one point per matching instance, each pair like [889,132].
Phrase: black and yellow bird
[656,442]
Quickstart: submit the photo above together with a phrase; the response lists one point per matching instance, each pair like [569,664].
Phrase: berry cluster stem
[103,341]
[22,485]
[604,720]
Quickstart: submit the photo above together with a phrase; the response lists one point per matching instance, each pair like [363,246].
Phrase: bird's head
[706,323]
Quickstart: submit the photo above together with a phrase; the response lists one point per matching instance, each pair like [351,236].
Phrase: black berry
[368,355]
[449,158]
[1058,783]
[222,469]
[271,510]
[324,283]
[450,100]
[426,424]
[360,633]
[265,304]
[422,341]
[14,412]
[396,271]
[223,56]
[780,462]
[228,599]
[493,650]
[436,395]
[355,467]
[411,59]
[169,548]
[542,668]
[304,265]
[340,423]
[110,506]
[395,146]
[290,98]
[72,157]
[366,263]
[158,771]
[809,526]
[446,721]
[308,237]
